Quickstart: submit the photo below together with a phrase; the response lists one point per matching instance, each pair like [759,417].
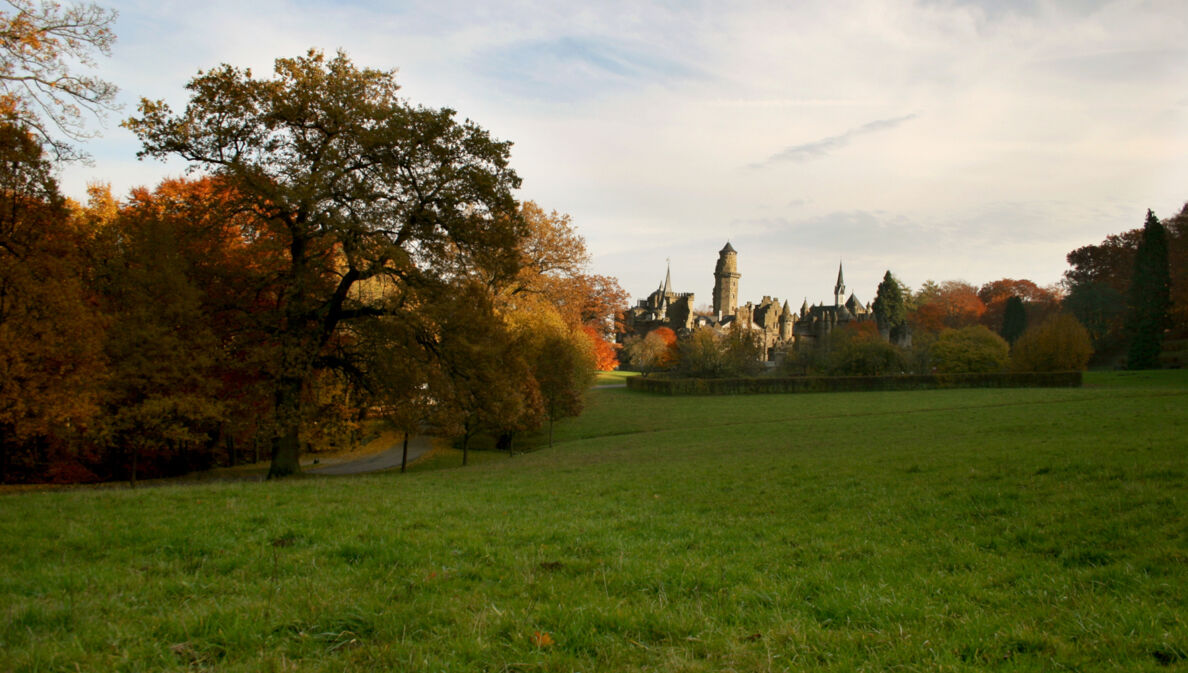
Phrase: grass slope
[935,530]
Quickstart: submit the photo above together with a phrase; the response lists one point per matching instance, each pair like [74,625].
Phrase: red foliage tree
[953,304]
[605,356]
[1040,302]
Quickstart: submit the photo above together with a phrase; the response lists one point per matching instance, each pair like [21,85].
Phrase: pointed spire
[668,277]
[839,290]
[804,308]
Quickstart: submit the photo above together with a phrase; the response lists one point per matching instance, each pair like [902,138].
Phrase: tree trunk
[550,431]
[286,447]
[504,443]
[132,470]
[285,455]
[229,442]
[465,444]
[404,456]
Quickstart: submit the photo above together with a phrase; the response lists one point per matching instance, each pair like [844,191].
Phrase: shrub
[701,355]
[972,349]
[707,354]
[860,351]
[1061,343]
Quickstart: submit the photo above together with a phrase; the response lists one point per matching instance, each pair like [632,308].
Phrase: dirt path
[384,460]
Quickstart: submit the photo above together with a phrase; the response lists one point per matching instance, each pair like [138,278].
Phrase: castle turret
[786,322]
[726,277]
[839,290]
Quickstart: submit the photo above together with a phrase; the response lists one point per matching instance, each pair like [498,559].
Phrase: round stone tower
[726,277]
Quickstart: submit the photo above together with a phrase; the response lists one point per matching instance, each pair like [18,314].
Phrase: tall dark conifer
[1014,319]
[1149,304]
[890,309]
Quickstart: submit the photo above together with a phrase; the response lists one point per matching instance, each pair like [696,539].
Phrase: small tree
[742,351]
[890,309]
[647,353]
[972,349]
[1014,319]
[702,355]
[1059,344]
[1150,297]
[859,350]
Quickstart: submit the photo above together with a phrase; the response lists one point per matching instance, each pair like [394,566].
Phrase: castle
[777,326]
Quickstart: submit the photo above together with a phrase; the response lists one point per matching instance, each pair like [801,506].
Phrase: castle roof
[728,248]
[854,304]
[840,282]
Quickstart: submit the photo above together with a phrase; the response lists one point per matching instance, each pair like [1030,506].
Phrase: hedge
[834,384]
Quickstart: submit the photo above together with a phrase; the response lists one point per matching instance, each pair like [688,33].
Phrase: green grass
[613,378]
[964,530]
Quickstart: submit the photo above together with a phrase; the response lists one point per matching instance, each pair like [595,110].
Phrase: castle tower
[726,277]
[839,290]
[786,322]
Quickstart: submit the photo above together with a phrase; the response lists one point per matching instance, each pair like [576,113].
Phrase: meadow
[956,530]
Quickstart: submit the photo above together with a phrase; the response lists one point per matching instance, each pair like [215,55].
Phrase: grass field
[1015,530]
[613,378]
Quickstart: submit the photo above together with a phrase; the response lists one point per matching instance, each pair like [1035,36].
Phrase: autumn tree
[560,359]
[1096,288]
[41,45]
[1177,256]
[858,350]
[950,305]
[1059,344]
[1149,297]
[186,276]
[971,349]
[606,357]
[1038,302]
[356,183]
[553,266]
[890,309]
[702,354]
[51,335]
[651,351]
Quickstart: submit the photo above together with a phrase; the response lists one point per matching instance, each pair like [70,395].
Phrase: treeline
[344,255]
[1118,305]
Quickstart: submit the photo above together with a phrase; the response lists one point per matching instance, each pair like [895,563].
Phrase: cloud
[819,148]
[570,68]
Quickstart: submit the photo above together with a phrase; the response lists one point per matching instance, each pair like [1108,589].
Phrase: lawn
[616,377]
[1015,530]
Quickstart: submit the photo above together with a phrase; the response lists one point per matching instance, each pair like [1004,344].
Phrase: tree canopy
[356,185]
[890,308]
[1149,298]
[41,45]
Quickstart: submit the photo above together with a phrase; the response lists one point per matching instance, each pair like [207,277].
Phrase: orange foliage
[605,356]
[665,333]
[1040,302]
[955,305]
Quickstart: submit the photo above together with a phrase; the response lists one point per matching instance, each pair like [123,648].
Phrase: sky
[946,140]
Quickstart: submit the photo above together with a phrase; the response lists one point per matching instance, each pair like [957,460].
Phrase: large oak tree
[359,185]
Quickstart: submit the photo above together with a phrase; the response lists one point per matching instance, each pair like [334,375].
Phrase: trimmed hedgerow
[832,384]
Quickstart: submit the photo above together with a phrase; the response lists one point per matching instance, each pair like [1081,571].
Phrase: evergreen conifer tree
[1014,319]
[1149,300]
[890,309]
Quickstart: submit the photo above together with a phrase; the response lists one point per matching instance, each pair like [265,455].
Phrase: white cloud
[1039,126]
